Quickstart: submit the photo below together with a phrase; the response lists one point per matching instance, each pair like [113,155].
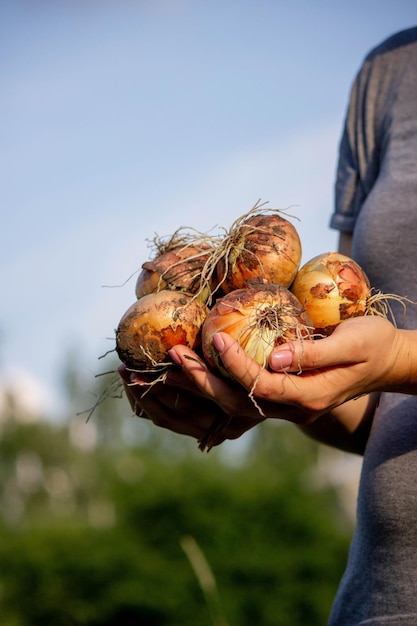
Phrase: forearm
[347,426]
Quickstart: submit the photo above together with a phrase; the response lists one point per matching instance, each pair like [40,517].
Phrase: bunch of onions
[259,245]
[247,283]
[154,324]
[333,288]
[259,317]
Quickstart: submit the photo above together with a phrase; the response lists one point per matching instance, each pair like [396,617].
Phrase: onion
[179,268]
[261,247]
[259,317]
[154,324]
[333,288]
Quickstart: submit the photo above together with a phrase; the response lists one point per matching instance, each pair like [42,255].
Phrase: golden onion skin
[179,268]
[154,324]
[266,248]
[259,318]
[332,288]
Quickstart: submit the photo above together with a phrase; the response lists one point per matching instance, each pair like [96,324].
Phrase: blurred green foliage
[95,516]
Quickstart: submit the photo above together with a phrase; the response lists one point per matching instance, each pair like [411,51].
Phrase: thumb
[309,354]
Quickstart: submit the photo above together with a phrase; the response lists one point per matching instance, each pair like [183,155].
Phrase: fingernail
[218,342]
[281,360]
[175,357]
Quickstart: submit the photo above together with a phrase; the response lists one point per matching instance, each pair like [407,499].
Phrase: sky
[124,119]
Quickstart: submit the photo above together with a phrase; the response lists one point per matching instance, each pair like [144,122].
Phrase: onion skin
[179,268]
[332,288]
[266,248]
[154,324]
[259,318]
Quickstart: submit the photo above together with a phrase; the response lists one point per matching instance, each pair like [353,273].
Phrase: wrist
[402,376]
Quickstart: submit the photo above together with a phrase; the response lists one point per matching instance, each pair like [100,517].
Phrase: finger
[233,399]
[241,367]
[343,347]
[267,394]
[177,404]
[198,371]
[129,393]
[180,380]
[265,387]
[163,417]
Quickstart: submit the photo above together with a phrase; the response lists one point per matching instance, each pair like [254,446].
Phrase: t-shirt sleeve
[349,191]
[357,165]
[374,107]
[349,194]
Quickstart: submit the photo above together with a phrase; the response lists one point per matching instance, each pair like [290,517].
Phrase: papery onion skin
[259,318]
[154,324]
[332,287]
[266,248]
[179,268]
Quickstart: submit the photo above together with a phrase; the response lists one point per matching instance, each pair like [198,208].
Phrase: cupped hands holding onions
[364,355]
[236,311]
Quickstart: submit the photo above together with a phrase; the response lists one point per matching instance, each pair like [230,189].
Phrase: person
[357,390]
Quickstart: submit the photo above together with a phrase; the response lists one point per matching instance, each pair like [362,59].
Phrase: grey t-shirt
[376,199]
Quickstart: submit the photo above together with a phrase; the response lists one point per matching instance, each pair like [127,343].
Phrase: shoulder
[397,42]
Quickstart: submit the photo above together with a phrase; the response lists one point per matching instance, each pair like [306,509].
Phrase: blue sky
[122,119]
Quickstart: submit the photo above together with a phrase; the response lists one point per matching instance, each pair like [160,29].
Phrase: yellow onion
[154,324]
[259,318]
[332,288]
[178,268]
[261,247]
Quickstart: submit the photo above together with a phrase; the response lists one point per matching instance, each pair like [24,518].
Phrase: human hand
[179,405]
[309,378]
[363,355]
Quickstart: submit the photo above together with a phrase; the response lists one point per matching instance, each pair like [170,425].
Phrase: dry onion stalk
[333,287]
[154,324]
[261,245]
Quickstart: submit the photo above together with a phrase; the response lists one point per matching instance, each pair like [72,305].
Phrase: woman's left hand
[179,405]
